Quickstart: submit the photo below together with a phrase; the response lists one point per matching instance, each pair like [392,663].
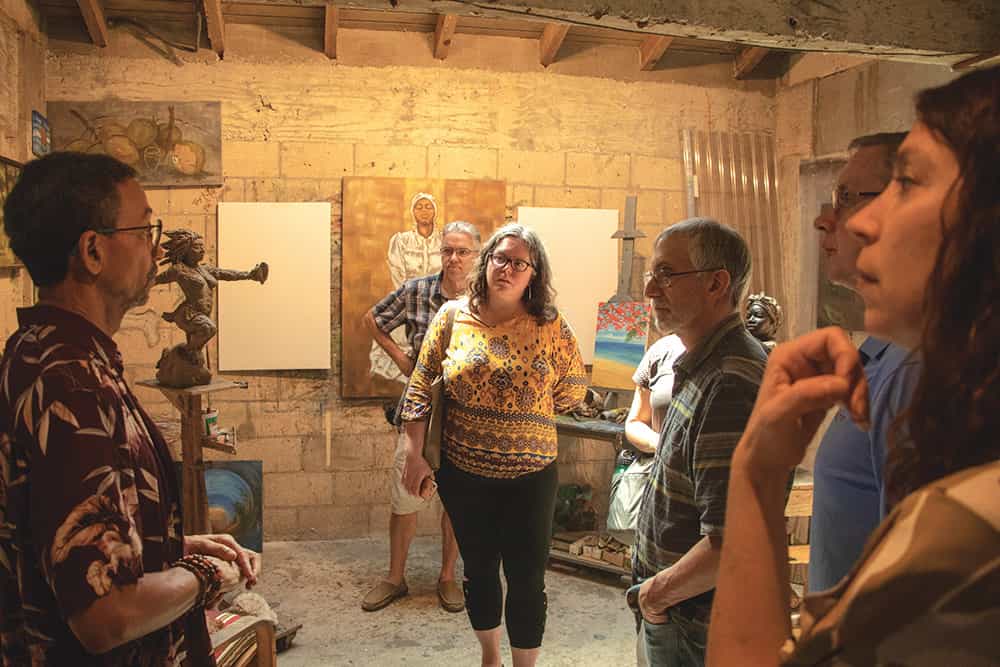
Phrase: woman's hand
[415,471]
[804,378]
[228,550]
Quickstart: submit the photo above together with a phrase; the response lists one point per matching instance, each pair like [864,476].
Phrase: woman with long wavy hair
[925,590]
[510,363]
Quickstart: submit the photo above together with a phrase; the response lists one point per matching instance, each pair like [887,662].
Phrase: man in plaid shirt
[414,305]
[700,269]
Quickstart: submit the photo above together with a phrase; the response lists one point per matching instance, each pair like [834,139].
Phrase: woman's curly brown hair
[954,418]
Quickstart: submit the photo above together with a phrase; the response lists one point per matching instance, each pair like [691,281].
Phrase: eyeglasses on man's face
[462,253]
[519,265]
[664,277]
[153,231]
[844,199]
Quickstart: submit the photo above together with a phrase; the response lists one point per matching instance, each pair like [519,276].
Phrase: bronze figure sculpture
[184,365]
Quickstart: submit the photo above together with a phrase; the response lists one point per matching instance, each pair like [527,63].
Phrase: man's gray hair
[462,227]
[712,244]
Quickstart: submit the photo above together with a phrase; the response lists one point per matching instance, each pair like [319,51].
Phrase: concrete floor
[320,584]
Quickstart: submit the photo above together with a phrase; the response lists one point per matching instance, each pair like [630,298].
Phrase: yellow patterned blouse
[503,386]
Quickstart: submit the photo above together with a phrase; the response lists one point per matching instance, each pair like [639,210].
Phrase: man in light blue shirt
[848,488]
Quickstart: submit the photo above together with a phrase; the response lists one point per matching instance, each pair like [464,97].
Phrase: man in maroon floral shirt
[90,526]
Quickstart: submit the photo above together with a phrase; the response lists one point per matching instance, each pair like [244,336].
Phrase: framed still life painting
[170,144]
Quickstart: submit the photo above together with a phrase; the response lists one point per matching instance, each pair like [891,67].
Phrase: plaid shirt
[414,304]
[715,386]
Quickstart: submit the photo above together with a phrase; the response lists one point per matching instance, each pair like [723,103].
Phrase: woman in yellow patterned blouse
[512,363]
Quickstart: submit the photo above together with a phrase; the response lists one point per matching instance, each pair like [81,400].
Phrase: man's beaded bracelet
[208,575]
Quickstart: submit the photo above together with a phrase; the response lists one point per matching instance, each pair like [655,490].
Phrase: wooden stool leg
[195,497]
[266,654]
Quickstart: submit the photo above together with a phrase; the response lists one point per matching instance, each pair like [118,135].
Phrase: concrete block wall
[22,89]
[294,123]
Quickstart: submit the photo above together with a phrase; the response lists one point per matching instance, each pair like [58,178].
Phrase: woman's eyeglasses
[519,265]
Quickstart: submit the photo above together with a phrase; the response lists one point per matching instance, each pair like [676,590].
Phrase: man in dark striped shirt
[414,305]
[700,269]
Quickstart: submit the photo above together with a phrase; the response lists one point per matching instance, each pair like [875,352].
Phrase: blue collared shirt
[848,485]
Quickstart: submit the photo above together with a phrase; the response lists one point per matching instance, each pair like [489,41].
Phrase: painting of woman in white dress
[412,253]
[391,233]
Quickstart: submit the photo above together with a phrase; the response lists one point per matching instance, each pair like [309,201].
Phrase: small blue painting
[236,500]
[41,142]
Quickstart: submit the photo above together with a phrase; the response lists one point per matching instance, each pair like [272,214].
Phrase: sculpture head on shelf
[184,365]
[763,318]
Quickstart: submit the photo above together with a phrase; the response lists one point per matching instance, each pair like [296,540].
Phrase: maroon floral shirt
[88,500]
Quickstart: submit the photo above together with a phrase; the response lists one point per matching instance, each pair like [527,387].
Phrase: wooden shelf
[210,442]
[566,557]
[197,390]
[593,429]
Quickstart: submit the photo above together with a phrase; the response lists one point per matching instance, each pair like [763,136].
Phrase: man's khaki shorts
[402,501]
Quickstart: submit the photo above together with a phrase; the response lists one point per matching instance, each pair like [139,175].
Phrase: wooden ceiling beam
[331,21]
[93,17]
[443,33]
[652,49]
[972,26]
[216,26]
[552,39]
[747,60]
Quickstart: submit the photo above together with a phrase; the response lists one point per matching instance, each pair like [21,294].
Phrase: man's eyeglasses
[153,231]
[460,252]
[519,265]
[664,278]
[844,200]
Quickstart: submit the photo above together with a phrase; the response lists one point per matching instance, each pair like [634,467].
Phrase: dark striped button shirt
[715,387]
[414,304]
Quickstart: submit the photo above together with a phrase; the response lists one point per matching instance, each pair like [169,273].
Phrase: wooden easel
[628,235]
[194,499]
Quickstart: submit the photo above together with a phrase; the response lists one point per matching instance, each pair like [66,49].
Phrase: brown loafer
[451,596]
[382,595]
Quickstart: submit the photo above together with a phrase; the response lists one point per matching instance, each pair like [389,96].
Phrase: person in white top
[412,254]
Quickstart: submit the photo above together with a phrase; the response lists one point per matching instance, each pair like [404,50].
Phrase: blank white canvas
[584,261]
[283,324]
